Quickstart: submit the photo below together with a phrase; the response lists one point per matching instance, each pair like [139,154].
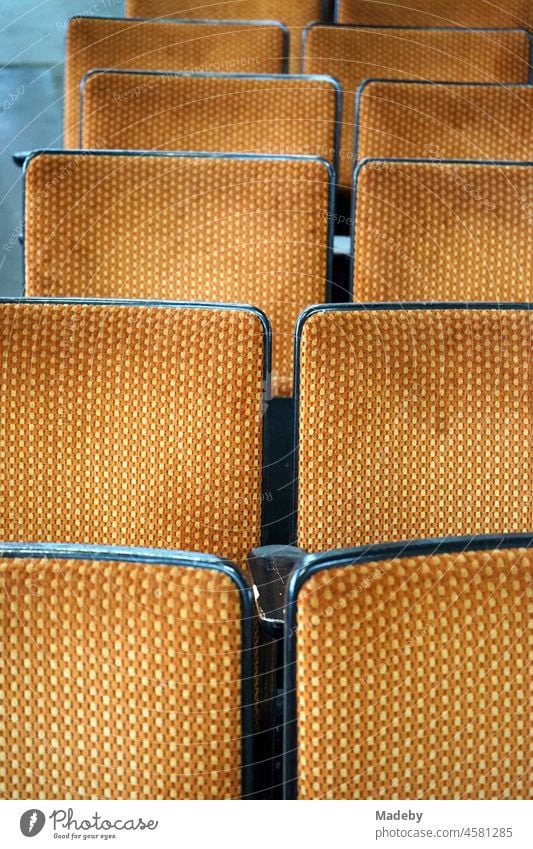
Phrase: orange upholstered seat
[436,13]
[413,422]
[411,120]
[216,112]
[124,674]
[443,231]
[353,54]
[114,43]
[132,425]
[294,15]
[410,672]
[182,227]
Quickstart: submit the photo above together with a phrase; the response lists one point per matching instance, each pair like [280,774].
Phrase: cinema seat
[408,672]
[413,422]
[133,424]
[353,54]
[124,674]
[436,13]
[443,231]
[214,112]
[414,120]
[115,43]
[234,228]
[294,15]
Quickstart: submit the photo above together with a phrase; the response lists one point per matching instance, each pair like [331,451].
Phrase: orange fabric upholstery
[353,54]
[163,46]
[414,678]
[294,15]
[436,13]
[443,231]
[234,229]
[132,425]
[413,423]
[230,113]
[400,120]
[119,680]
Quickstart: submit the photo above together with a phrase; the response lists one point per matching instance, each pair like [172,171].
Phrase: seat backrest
[414,120]
[294,15]
[114,43]
[217,112]
[353,54]
[408,672]
[413,421]
[234,228]
[443,231]
[436,13]
[132,424]
[129,671]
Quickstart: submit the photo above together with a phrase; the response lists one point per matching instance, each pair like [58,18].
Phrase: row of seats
[350,54]
[143,424]
[153,644]
[299,114]
[148,421]
[216,228]
[295,16]
[245,112]
[427,13]
[93,711]
[353,55]
[112,43]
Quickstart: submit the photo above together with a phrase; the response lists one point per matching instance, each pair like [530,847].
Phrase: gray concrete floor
[32,36]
